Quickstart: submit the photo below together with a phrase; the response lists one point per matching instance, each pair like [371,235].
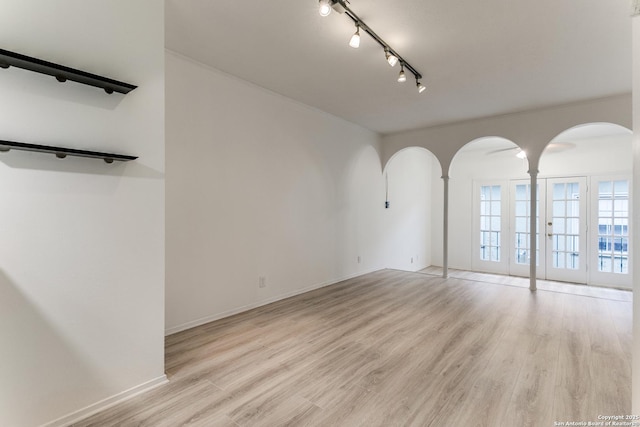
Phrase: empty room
[319,213]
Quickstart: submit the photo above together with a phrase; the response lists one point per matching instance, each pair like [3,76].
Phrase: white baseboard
[94,408]
[218,316]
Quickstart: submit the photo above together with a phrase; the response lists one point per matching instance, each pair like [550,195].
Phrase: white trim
[101,405]
[218,316]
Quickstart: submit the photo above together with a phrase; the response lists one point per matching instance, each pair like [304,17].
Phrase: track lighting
[402,77]
[392,57]
[355,38]
[325,7]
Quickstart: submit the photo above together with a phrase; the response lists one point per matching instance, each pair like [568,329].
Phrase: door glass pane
[573,226]
[558,259]
[573,261]
[522,225]
[490,222]
[573,208]
[559,208]
[558,226]
[558,192]
[565,225]
[613,226]
[573,190]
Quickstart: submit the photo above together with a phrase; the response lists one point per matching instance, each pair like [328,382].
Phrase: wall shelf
[62,152]
[62,73]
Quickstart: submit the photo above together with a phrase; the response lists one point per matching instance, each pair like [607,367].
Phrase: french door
[566,228]
[561,250]
[582,231]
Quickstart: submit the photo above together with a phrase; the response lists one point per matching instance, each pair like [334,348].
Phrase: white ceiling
[478,59]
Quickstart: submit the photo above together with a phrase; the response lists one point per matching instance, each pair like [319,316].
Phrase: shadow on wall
[29,344]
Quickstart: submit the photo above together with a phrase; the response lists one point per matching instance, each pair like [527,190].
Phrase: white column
[533,225]
[635,222]
[445,229]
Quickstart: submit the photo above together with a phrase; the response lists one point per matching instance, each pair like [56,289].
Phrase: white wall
[260,185]
[636,206]
[408,219]
[82,253]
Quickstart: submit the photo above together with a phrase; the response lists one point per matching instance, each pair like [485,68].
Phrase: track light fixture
[355,38]
[402,77]
[392,57]
[325,7]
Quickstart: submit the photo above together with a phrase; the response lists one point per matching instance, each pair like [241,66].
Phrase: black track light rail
[359,22]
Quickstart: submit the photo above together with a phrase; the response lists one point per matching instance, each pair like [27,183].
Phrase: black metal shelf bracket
[62,73]
[62,152]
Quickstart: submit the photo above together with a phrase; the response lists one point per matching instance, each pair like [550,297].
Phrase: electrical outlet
[359,259]
[262,282]
[411,260]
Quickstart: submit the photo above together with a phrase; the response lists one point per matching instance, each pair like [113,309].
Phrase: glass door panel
[566,230]
[521,228]
[611,238]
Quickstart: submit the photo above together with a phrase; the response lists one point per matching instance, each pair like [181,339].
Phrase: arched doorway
[413,190]
[584,205]
[480,191]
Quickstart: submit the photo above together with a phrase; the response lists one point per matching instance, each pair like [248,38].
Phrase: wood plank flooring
[398,349]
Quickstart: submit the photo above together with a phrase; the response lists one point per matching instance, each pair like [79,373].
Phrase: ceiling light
[402,77]
[391,59]
[521,154]
[355,38]
[325,7]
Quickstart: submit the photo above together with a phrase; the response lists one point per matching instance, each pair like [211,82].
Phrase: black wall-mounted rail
[62,73]
[62,152]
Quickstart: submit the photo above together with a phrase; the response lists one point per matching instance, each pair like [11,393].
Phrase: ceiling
[478,59]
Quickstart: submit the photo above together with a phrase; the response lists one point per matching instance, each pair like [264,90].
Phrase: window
[613,226]
[490,222]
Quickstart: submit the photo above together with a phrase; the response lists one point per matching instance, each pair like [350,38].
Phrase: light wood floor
[397,349]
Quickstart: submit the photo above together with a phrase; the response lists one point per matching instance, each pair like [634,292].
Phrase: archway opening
[413,194]
[585,199]
[480,177]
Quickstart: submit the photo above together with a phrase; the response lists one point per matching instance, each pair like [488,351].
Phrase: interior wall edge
[107,403]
